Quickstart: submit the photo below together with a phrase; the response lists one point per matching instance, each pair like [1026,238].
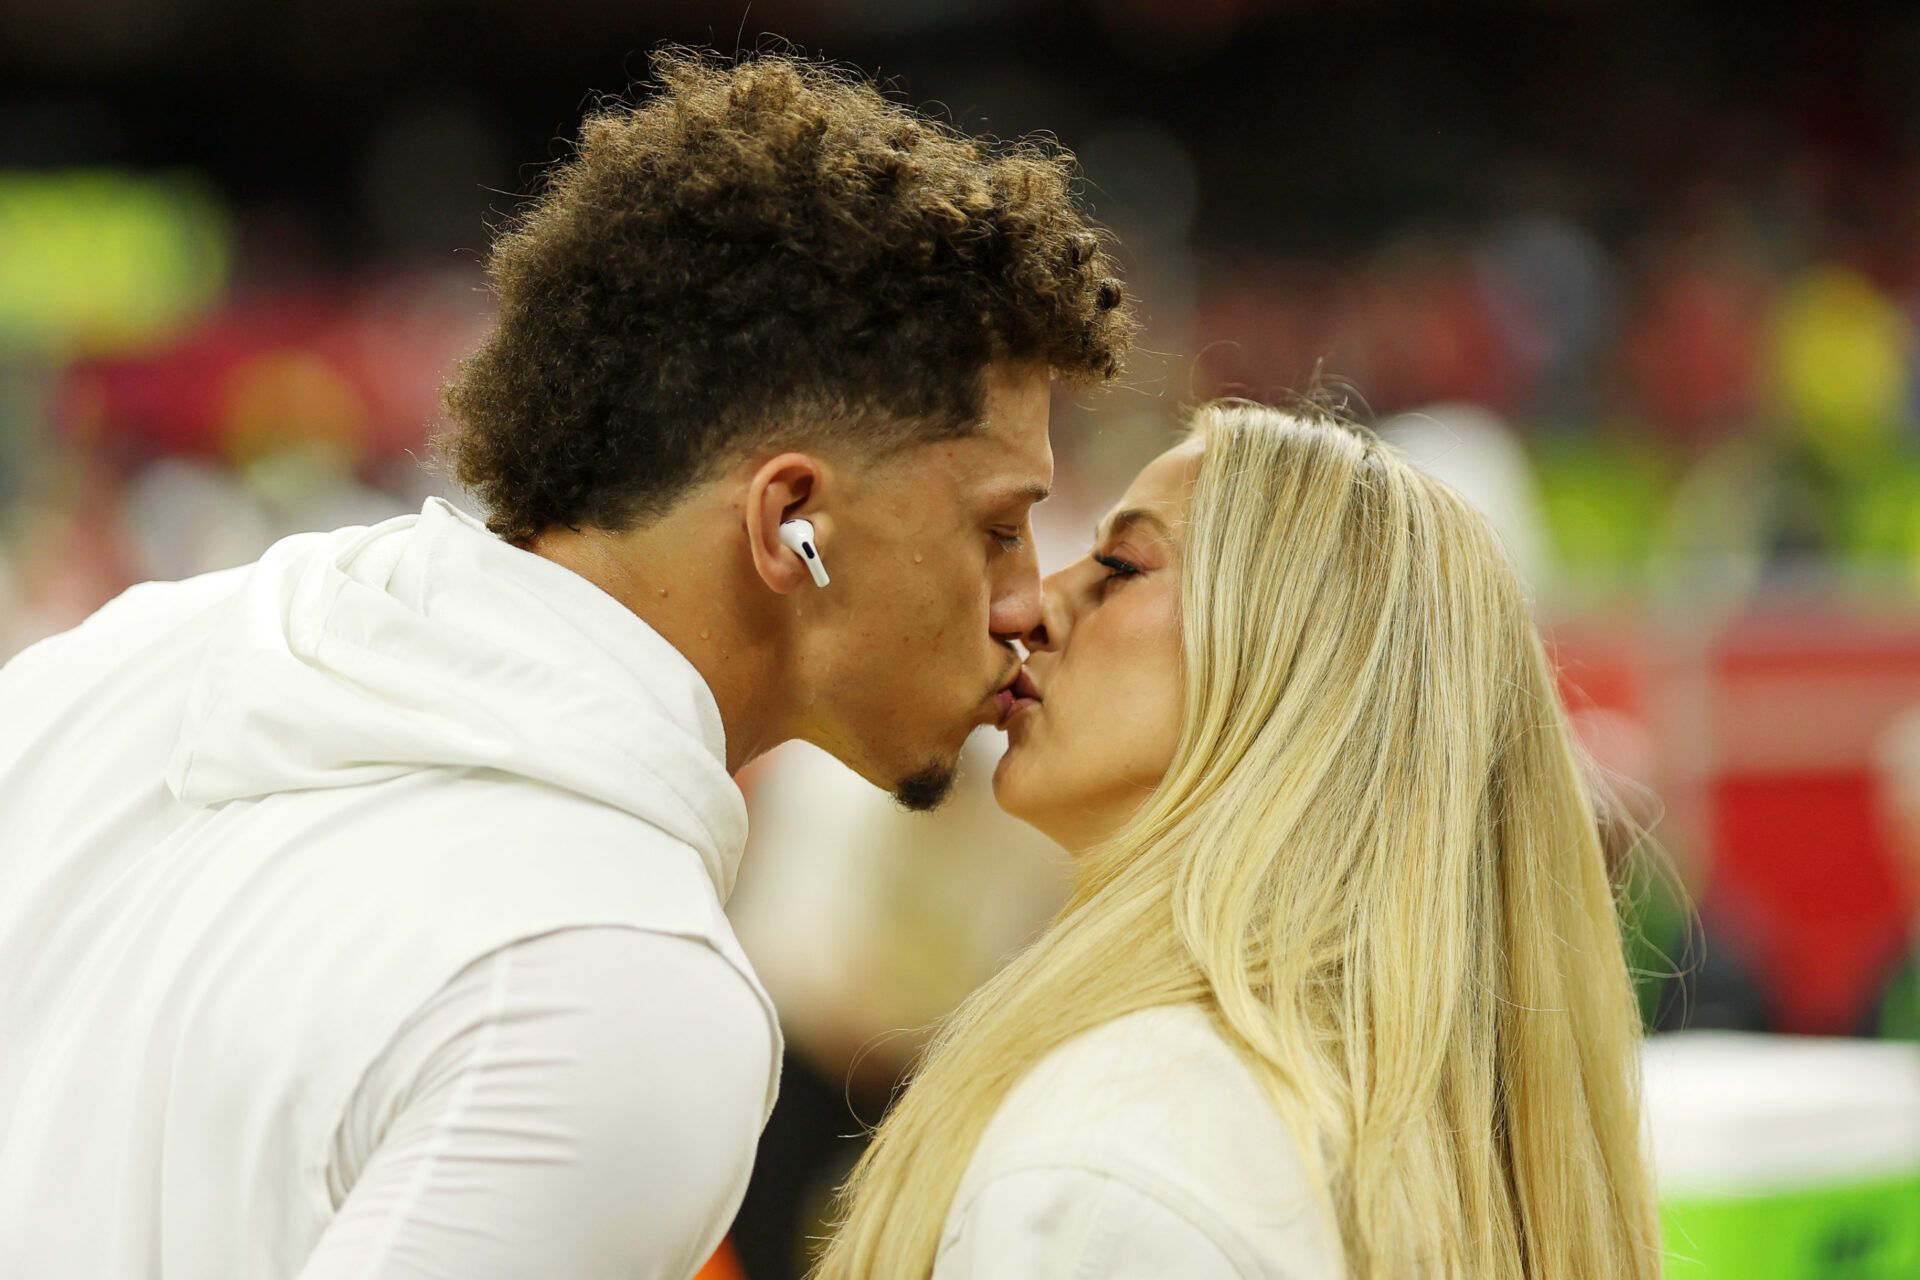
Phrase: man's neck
[678,582]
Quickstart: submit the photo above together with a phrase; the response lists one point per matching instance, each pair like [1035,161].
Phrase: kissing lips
[1018,696]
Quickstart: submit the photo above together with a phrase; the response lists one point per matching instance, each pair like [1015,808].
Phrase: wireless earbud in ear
[798,536]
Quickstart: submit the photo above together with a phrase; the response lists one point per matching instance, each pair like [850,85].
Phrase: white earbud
[798,536]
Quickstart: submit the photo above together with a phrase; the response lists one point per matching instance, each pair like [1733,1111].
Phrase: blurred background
[1642,279]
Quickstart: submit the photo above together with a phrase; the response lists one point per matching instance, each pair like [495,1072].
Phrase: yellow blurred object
[1840,351]
[94,261]
[289,397]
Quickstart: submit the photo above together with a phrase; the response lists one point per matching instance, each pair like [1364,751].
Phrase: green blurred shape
[1898,1017]
[1865,1230]
[100,260]
[1603,499]
[1653,916]
[1879,518]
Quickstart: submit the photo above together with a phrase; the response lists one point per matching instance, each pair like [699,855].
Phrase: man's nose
[1016,609]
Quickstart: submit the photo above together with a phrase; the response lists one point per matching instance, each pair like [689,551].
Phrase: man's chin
[927,789]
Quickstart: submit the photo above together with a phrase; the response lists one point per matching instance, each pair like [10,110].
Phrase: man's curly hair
[763,247]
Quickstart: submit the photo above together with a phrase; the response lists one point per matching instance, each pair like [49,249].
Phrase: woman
[1339,990]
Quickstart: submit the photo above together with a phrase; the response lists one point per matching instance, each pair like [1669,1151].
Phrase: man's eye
[1009,541]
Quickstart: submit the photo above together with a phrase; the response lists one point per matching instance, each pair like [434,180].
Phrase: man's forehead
[1005,460]
[1012,468]
[1015,459]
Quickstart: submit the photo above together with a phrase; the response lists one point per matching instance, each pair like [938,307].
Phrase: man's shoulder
[633,989]
[635,979]
[649,1028]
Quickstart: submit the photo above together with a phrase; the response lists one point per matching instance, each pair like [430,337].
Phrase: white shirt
[546,1114]
[1141,1150]
[338,894]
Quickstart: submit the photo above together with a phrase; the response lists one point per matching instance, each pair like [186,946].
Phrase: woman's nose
[1050,632]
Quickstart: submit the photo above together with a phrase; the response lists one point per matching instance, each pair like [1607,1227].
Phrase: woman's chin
[1012,787]
[1016,790]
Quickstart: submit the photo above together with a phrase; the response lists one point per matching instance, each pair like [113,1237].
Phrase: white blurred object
[185,518]
[15,634]
[1897,756]
[308,489]
[1731,1112]
[1475,451]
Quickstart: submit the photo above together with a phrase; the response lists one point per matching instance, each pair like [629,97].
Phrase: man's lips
[1017,697]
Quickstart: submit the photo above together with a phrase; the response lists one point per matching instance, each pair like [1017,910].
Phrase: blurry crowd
[1722,398]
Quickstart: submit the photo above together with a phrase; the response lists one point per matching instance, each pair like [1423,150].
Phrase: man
[360,908]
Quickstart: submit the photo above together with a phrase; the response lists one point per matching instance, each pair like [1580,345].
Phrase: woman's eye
[1118,570]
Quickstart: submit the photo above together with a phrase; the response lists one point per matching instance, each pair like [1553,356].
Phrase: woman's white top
[361,915]
[1141,1150]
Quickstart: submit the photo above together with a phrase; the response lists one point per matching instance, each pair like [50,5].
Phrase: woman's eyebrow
[1121,520]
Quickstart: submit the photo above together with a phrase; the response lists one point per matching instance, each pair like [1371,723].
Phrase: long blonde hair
[1374,861]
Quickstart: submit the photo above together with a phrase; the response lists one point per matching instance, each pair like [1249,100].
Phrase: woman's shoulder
[1152,1069]
[1161,1103]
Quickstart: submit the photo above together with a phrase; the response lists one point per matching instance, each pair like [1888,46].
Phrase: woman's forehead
[1163,483]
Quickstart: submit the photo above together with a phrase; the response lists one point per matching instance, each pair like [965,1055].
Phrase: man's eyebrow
[1031,490]
[1120,520]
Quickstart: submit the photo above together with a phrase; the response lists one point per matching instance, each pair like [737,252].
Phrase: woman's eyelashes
[1118,570]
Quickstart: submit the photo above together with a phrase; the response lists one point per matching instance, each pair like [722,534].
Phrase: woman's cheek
[1150,674]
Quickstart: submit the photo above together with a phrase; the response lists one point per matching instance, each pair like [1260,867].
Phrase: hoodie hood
[425,641]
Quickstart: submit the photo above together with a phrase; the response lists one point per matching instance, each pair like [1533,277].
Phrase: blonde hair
[1373,860]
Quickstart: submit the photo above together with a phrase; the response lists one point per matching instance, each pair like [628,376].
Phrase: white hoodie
[251,822]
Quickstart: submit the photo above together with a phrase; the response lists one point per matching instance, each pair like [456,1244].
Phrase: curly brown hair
[763,246]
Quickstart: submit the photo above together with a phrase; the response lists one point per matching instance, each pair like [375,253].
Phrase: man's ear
[785,487]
